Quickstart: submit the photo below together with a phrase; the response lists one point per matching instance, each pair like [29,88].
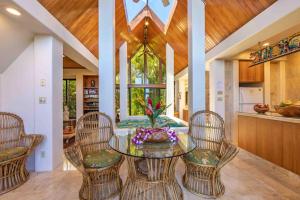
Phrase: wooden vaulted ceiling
[223,17]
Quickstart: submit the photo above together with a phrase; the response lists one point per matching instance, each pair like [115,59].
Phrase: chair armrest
[74,155]
[31,141]
[227,152]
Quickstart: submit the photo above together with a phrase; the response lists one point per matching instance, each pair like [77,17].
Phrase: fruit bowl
[261,108]
[157,134]
[288,111]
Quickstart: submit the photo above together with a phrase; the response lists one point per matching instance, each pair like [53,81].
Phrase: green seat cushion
[203,157]
[11,153]
[101,159]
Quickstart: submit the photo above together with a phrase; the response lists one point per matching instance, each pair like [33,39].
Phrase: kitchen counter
[271,116]
[271,137]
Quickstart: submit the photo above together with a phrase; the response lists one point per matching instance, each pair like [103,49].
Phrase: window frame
[145,84]
[66,99]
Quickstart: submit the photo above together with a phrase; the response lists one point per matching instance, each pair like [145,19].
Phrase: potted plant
[155,133]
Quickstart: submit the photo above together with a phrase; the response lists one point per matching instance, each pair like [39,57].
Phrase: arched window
[147,78]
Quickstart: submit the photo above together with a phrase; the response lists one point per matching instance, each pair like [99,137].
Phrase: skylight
[157,7]
[160,10]
[133,9]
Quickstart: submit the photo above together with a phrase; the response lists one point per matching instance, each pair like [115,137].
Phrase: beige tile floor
[246,178]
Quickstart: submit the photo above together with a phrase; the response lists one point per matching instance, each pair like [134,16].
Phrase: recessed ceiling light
[13,11]
[266,44]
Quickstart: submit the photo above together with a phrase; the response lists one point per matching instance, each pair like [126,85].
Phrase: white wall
[217,87]
[17,88]
[182,89]
[14,40]
[123,82]
[20,92]
[170,79]
[0,91]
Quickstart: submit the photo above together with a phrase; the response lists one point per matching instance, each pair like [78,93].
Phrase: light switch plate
[42,100]
[43,83]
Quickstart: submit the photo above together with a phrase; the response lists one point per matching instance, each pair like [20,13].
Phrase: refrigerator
[249,96]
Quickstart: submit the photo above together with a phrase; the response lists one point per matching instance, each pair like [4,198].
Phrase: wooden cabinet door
[259,73]
[269,140]
[186,115]
[247,133]
[248,74]
[291,147]
[243,71]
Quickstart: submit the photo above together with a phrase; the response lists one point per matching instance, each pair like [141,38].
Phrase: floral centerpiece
[154,134]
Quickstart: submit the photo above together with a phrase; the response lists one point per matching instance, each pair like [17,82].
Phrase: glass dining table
[151,167]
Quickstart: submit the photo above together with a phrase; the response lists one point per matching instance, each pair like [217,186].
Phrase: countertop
[271,116]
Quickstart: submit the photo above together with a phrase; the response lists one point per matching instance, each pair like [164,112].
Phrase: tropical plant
[153,112]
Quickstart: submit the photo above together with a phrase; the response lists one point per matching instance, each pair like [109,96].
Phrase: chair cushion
[101,159]
[11,153]
[203,157]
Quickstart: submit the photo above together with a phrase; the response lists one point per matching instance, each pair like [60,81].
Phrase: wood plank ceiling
[223,17]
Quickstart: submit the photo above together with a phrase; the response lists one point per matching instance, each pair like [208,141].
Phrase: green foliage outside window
[69,95]
[156,75]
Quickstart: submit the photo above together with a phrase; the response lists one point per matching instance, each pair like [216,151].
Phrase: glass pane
[117,99]
[65,92]
[163,69]
[136,94]
[153,69]
[137,68]
[69,94]
[162,11]
[133,9]
[163,96]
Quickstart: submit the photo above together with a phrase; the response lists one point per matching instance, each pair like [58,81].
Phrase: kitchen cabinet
[274,139]
[247,133]
[248,74]
[186,115]
[291,147]
[269,140]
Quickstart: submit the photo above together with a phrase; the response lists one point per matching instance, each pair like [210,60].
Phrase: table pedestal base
[156,181]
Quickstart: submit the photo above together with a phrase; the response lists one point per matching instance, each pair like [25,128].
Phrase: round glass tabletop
[124,145]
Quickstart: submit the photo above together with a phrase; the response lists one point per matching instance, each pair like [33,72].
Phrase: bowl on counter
[288,111]
[261,108]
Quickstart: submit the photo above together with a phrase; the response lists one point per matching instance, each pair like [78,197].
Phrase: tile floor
[247,177]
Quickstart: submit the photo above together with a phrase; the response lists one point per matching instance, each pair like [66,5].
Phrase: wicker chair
[203,165]
[92,156]
[15,147]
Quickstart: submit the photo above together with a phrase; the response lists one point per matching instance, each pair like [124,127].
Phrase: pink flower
[150,101]
[157,106]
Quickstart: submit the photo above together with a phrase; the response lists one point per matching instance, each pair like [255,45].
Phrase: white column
[176,99]
[107,57]
[182,97]
[48,61]
[267,83]
[1,89]
[236,100]
[123,82]
[79,95]
[170,79]
[217,87]
[196,44]
[282,83]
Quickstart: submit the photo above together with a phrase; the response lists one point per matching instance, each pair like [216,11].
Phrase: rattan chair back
[207,129]
[11,130]
[93,131]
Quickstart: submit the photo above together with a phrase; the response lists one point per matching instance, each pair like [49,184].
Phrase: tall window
[69,94]
[147,78]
